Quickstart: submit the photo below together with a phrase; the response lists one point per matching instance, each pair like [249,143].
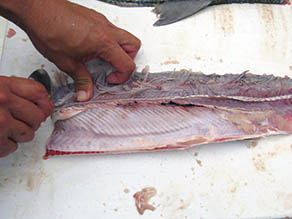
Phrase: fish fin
[172,11]
[42,77]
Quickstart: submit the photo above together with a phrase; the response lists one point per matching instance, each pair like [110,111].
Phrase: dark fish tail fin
[172,11]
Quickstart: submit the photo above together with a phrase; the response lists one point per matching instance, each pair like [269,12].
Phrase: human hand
[69,35]
[24,105]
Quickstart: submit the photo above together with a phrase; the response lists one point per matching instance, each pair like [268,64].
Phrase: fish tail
[172,11]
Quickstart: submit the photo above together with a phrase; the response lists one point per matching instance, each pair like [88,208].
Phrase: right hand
[69,35]
[24,105]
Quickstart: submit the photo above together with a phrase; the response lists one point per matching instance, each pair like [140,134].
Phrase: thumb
[83,82]
[122,62]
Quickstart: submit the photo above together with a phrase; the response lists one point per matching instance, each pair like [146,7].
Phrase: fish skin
[171,110]
[171,11]
[184,84]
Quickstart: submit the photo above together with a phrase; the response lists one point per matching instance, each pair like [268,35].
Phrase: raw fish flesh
[170,110]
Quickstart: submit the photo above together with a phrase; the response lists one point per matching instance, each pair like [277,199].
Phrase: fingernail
[82,96]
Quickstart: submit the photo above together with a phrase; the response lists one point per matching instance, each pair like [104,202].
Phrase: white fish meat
[170,110]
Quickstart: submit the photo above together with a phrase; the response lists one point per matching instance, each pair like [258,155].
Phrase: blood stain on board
[170,62]
[253,143]
[233,190]
[268,19]
[272,154]
[224,18]
[259,164]
[199,162]
[183,206]
[34,180]
[11,32]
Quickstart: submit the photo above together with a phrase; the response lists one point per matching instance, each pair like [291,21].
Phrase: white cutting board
[227,180]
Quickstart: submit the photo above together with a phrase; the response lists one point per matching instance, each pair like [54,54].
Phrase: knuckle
[39,88]
[138,44]
[4,80]
[51,106]
[30,136]
[106,39]
[4,91]
[4,97]
[66,65]
[26,135]
[4,119]
[132,67]
[101,16]
[2,154]
[43,117]
[6,147]
[100,35]
[131,39]
[50,110]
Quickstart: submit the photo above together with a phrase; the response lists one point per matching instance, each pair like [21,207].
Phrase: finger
[27,112]
[83,83]
[33,91]
[7,147]
[130,50]
[127,41]
[81,77]
[20,132]
[122,63]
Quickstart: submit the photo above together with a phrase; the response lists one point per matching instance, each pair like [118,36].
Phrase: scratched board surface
[244,179]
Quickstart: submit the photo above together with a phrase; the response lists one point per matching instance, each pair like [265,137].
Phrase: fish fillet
[171,110]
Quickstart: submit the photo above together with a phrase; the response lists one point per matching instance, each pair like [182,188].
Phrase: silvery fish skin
[170,11]
[170,110]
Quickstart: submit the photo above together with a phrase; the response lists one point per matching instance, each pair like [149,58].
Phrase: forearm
[27,14]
